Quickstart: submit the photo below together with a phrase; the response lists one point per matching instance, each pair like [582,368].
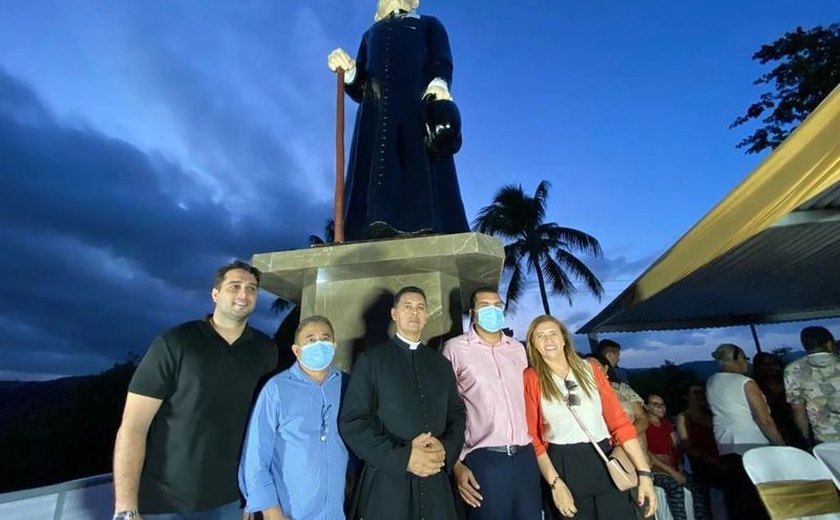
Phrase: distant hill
[60,430]
[703,369]
[19,399]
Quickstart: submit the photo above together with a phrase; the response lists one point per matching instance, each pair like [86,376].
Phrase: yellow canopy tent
[768,252]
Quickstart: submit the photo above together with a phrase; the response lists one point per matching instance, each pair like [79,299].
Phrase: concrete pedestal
[353,284]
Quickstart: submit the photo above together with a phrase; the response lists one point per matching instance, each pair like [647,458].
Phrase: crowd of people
[486,428]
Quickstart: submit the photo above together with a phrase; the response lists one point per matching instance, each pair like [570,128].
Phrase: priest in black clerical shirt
[402,416]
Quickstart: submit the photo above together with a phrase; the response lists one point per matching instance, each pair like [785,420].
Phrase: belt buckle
[510,450]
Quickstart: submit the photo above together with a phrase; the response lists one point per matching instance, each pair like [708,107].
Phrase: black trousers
[583,471]
[742,500]
[510,485]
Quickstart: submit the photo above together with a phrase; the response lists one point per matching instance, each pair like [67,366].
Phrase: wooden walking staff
[338,217]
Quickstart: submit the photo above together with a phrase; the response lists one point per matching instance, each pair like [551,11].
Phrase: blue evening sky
[144,143]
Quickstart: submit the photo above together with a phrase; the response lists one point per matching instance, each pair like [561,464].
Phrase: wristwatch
[126,515]
[643,473]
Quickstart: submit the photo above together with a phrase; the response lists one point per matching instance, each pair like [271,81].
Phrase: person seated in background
[695,433]
[768,374]
[665,457]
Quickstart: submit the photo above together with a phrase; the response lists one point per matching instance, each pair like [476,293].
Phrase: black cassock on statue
[391,177]
[394,395]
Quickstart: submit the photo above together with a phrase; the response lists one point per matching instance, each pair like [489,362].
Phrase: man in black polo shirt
[177,449]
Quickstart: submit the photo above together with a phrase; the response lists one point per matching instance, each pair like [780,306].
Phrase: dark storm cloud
[105,245]
[234,100]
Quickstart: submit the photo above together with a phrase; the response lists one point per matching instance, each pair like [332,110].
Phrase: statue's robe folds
[391,176]
[394,395]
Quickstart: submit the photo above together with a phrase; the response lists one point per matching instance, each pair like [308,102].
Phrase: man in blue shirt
[294,463]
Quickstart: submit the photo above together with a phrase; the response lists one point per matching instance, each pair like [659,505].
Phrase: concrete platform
[353,284]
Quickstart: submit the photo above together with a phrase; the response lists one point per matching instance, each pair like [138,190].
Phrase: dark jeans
[510,485]
[595,495]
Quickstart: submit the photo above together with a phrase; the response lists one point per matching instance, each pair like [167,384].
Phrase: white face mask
[490,318]
[318,355]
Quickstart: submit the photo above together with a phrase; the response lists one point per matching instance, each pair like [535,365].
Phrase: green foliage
[808,70]
[668,381]
[329,234]
[544,248]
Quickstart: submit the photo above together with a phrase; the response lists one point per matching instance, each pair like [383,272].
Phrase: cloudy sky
[142,144]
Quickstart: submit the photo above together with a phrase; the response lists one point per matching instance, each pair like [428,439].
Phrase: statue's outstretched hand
[339,58]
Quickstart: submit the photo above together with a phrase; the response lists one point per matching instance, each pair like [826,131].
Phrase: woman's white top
[559,423]
[735,429]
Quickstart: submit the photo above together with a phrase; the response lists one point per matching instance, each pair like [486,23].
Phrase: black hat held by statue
[443,127]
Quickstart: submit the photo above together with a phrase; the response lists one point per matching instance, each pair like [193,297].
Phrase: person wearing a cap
[395,184]
[741,421]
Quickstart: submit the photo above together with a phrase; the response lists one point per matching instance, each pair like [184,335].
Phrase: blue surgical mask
[490,318]
[318,355]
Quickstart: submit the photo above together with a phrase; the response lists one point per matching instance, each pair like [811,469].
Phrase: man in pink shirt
[497,473]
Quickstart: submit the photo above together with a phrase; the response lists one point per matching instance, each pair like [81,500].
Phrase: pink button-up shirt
[491,383]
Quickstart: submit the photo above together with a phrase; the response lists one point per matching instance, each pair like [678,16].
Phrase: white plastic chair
[777,464]
[829,454]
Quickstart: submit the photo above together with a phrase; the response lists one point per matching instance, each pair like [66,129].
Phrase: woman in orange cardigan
[581,487]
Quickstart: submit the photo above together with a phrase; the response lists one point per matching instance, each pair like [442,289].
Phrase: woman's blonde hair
[579,367]
[410,4]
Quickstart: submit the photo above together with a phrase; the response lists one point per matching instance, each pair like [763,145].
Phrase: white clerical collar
[412,345]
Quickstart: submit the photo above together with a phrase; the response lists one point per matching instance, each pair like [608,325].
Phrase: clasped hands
[427,457]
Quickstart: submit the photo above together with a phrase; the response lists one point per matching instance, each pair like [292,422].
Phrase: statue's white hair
[386,7]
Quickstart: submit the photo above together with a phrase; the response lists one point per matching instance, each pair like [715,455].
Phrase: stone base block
[353,284]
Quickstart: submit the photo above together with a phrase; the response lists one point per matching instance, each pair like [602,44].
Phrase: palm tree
[542,247]
[329,234]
